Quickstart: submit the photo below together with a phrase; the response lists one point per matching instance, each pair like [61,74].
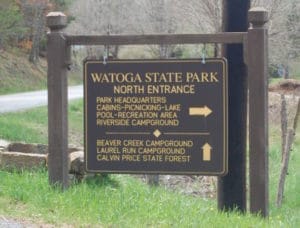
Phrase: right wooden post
[258,110]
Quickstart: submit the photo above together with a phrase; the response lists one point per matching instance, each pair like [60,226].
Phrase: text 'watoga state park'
[154,77]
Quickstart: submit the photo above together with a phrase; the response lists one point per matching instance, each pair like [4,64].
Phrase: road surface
[6,223]
[22,101]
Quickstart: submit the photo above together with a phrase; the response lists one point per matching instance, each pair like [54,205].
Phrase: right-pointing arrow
[206,152]
[200,111]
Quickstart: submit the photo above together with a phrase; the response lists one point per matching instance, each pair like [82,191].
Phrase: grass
[31,126]
[294,72]
[290,210]
[116,200]
[295,68]
[121,200]
[28,126]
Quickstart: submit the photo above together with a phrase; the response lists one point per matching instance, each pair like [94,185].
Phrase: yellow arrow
[200,111]
[206,152]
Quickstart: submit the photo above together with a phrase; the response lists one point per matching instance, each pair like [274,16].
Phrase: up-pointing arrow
[200,111]
[206,152]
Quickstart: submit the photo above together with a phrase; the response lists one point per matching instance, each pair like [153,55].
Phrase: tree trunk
[232,187]
[37,34]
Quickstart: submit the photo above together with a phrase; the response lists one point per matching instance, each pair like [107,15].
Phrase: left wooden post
[57,58]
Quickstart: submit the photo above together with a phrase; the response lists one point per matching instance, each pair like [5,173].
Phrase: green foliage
[295,68]
[27,126]
[288,213]
[11,26]
[273,71]
[116,200]
[31,126]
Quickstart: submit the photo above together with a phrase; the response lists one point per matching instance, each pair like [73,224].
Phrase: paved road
[22,101]
[5,223]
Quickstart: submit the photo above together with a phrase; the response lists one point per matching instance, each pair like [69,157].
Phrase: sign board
[156,116]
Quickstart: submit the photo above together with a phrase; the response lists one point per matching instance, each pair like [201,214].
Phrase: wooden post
[232,187]
[289,138]
[57,57]
[284,124]
[258,110]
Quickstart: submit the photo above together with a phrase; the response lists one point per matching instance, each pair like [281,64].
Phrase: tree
[232,187]
[158,17]
[293,27]
[205,15]
[125,16]
[11,26]
[38,30]
[283,29]
[34,17]
[34,12]
[102,17]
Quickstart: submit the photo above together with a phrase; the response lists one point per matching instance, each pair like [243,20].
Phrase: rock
[35,148]
[74,149]
[3,143]
[28,148]
[26,156]
[77,164]
[19,161]
[2,148]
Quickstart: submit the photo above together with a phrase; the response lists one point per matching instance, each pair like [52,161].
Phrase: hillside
[17,74]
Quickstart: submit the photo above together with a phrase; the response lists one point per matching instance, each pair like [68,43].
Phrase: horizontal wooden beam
[226,38]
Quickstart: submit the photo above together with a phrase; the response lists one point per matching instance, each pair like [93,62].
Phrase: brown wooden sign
[164,116]
[188,98]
